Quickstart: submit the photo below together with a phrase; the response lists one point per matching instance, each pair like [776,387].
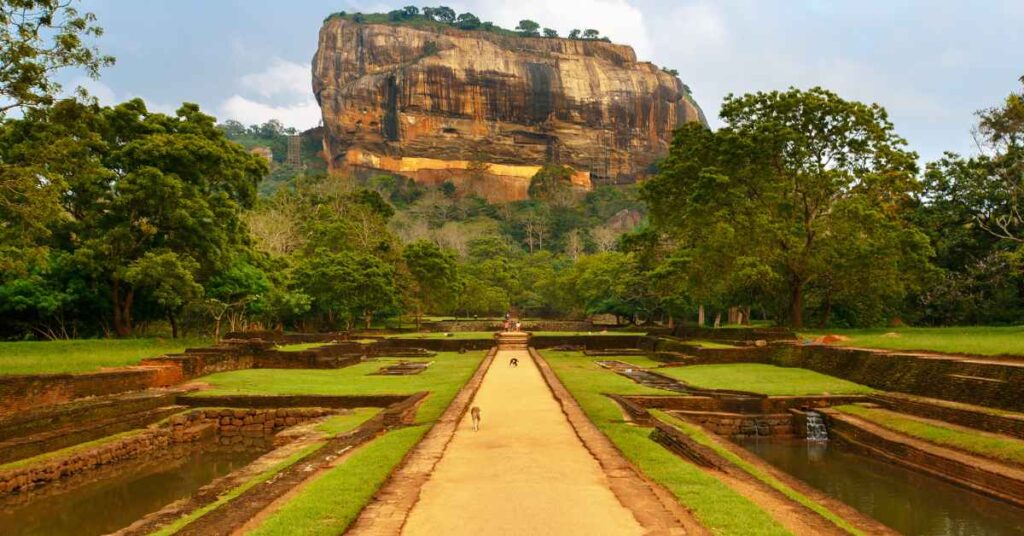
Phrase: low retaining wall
[735,334]
[761,406]
[588,342]
[968,471]
[282,337]
[739,424]
[983,383]
[295,401]
[434,345]
[22,392]
[153,440]
[962,414]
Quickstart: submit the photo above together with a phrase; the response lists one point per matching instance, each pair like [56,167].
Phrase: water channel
[908,501]
[129,492]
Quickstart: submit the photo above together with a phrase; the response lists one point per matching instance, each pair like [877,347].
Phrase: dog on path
[514,362]
[474,412]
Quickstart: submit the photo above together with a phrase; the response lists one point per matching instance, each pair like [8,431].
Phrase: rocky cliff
[486,110]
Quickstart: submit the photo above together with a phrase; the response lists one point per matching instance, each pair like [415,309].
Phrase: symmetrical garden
[710,431]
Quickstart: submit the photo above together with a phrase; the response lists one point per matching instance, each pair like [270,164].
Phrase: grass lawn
[765,379]
[449,371]
[995,446]
[85,355]
[717,506]
[977,340]
[330,503]
[711,345]
[299,347]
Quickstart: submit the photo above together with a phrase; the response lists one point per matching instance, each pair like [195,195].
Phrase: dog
[514,362]
[474,412]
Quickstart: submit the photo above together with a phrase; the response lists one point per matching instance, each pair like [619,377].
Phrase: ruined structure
[486,110]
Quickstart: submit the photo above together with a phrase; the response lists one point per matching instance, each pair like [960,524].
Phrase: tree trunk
[174,325]
[368,316]
[700,315]
[122,309]
[746,316]
[796,304]
[718,320]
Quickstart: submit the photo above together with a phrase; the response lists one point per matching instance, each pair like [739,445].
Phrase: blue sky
[931,63]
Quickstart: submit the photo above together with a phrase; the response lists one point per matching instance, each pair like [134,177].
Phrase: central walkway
[524,472]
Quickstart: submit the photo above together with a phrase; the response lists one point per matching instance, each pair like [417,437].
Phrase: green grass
[764,379]
[700,436]
[1002,448]
[329,504]
[449,371]
[711,345]
[715,505]
[84,355]
[976,340]
[339,424]
[299,347]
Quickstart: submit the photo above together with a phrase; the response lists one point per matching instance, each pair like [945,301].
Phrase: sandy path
[524,472]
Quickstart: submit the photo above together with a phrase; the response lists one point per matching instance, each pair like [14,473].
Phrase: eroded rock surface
[487,110]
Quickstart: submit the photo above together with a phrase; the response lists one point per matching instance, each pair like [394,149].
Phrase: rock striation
[486,110]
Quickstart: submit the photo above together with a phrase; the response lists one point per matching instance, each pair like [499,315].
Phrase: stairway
[513,340]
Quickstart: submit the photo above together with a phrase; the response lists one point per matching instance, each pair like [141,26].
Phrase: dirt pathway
[524,472]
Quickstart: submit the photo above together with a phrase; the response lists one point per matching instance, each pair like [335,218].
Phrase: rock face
[486,110]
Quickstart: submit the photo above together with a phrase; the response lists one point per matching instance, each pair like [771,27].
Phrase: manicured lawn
[330,503]
[765,379]
[977,340]
[995,446]
[449,371]
[716,505]
[299,347]
[85,355]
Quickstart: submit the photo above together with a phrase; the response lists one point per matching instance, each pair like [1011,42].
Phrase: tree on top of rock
[528,28]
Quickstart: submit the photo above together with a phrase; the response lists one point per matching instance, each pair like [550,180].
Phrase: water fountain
[816,430]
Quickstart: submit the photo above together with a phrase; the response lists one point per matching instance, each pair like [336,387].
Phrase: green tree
[548,32]
[444,14]
[38,38]
[347,286]
[552,184]
[467,21]
[591,33]
[782,189]
[528,28]
[434,276]
[170,280]
[140,182]
[574,34]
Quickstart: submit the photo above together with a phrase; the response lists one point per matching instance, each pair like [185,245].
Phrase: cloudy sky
[931,63]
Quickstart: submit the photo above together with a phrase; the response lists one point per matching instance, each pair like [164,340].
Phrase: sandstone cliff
[486,110]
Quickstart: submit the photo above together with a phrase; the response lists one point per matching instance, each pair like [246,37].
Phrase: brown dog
[474,412]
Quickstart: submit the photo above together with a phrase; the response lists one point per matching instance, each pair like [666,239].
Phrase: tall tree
[38,38]
[783,188]
[528,28]
[434,274]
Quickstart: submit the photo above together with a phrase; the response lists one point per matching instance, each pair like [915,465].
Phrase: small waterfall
[816,430]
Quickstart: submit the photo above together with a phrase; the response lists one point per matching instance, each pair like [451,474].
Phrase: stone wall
[293,401]
[962,379]
[154,440]
[734,334]
[962,414]
[22,392]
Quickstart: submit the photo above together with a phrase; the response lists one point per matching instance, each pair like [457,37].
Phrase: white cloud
[280,78]
[301,115]
[281,91]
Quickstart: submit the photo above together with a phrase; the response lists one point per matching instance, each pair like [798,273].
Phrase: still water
[114,502]
[909,502]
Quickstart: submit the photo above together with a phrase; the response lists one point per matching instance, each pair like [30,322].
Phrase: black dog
[514,362]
